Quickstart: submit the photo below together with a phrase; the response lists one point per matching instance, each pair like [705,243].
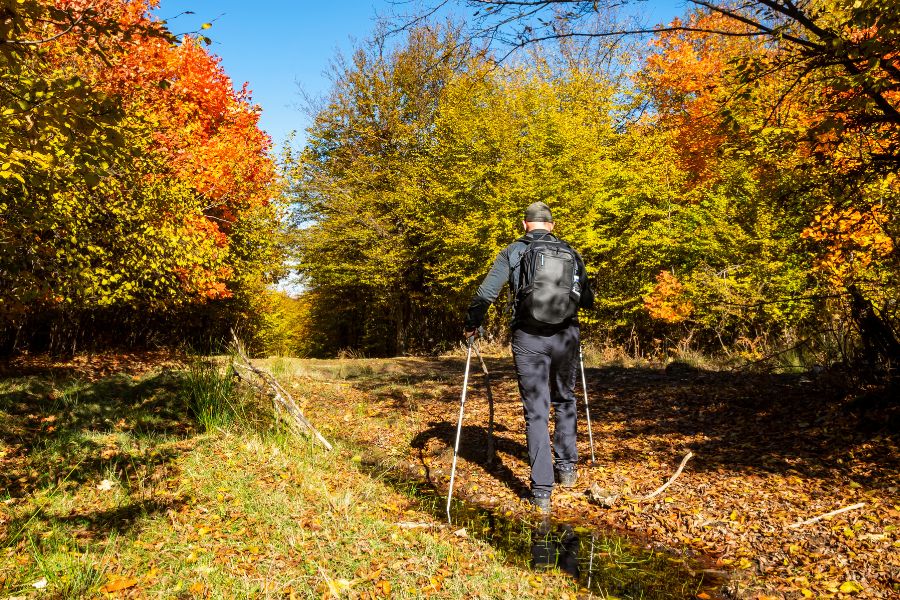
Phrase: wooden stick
[263,391]
[684,460]
[828,514]
[279,394]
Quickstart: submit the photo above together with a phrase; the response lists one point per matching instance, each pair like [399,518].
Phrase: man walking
[549,284]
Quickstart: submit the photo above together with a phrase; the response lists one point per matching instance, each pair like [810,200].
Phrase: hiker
[548,285]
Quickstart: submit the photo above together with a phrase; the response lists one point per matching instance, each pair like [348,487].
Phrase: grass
[172,484]
[211,395]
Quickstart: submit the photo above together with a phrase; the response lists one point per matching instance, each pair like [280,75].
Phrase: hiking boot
[567,479]
[540,504]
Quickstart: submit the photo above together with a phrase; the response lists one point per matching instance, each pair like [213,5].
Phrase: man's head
[537,216]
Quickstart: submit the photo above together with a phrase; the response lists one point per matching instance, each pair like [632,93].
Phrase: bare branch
[279,395]
[827,515]
[43,41]
[660,490]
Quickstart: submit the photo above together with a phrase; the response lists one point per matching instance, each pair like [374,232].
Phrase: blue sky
[275,46]
[278,45]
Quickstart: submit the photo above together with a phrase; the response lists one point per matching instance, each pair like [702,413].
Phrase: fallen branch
[280,396]
[828,514]
[684,460]
[608,499]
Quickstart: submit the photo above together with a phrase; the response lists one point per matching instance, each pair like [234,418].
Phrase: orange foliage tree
[168,203]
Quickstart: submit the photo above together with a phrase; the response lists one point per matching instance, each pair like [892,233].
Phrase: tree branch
[827,515]
[660,490]
[278,393]
[43,41]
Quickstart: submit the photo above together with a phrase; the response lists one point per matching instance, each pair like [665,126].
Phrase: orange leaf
[117,584]
[196,588]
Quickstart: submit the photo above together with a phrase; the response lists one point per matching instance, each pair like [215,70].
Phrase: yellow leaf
[385,586]
[703,596]
[806,593]
[850,587]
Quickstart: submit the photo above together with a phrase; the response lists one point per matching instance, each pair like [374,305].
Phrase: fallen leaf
[461,533]
[116,584]
[384,586]
[850,587]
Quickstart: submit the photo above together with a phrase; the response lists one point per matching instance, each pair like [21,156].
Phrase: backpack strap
[527,241]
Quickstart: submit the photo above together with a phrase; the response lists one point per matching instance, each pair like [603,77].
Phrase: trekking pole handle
[478,332]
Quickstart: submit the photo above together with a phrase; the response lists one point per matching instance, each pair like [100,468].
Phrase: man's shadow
[473,448]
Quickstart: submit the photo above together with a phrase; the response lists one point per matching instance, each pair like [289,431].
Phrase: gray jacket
[506,270]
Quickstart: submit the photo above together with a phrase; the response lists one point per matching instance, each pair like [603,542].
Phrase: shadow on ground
[62,435]
[779,423]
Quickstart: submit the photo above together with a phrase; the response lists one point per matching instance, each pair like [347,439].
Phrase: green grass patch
[175,484]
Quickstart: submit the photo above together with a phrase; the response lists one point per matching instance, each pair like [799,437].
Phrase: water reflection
[555,549]
[602,562]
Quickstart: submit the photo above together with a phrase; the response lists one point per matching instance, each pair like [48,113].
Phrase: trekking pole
[487,382]
[587,409]
[462,404]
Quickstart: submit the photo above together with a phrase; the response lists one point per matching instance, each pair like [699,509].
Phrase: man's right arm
[488,291]
[587,293]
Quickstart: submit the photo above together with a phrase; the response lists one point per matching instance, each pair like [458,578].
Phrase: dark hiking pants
[547,366]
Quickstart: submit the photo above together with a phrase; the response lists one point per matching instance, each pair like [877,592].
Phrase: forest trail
[771,451]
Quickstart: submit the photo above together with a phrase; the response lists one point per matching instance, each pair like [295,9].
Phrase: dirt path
[770,451]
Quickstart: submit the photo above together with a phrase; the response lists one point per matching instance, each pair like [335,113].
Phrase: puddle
[604,564]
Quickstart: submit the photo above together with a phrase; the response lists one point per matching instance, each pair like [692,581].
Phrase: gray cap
[538,212]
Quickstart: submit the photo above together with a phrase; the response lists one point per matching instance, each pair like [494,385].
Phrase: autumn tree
[796,104]
[136,184]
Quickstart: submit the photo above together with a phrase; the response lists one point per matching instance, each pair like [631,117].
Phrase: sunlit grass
[115,488]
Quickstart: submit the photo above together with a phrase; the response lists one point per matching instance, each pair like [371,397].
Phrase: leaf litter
[774,454]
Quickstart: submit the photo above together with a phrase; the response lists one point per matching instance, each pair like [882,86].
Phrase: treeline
[727,195]
[138,197]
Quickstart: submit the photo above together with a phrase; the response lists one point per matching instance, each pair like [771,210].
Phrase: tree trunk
[879,341]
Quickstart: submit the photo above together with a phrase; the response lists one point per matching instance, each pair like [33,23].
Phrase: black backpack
[549,291]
